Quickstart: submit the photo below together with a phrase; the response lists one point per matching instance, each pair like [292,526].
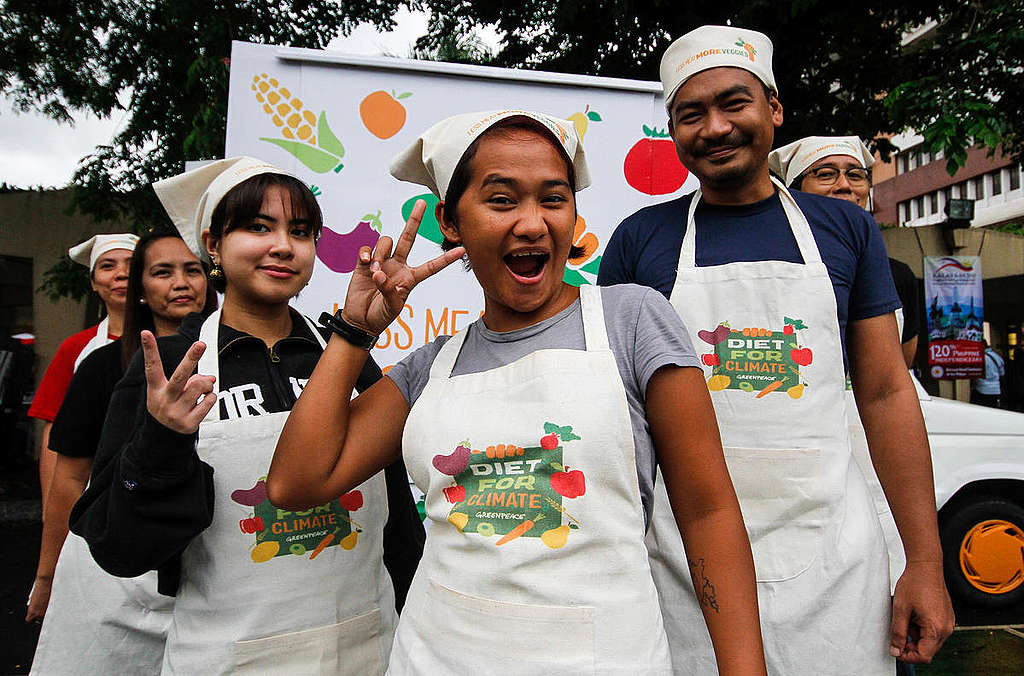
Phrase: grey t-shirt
[644,334]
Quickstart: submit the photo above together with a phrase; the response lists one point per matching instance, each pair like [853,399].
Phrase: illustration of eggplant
[341,252]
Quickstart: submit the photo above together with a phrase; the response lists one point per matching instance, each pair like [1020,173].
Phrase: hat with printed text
[791,160]
[715,47]
[431,160]
[89,251]
[190,198]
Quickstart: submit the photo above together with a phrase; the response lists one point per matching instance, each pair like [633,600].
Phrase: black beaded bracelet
[352,334]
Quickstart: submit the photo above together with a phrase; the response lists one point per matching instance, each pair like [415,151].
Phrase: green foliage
[162,66]
[453,48]
[1012,228]
[966,84]
[66,279]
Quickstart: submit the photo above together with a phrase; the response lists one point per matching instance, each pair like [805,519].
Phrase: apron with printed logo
[535,561]
[101,338]
[270,591]
[770,343]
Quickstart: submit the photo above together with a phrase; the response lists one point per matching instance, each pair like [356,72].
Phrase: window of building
[1015,177]
[939,154]
[904,212]
[997,182]
[918,207]
[901,163]
[947,194]
[933,203]
[926,157]
[979,188]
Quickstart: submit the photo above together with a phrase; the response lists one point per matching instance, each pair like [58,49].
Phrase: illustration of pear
[349,541]
[556,537]
[319,150]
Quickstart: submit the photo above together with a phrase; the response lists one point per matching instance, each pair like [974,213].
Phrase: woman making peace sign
[533,432]
[179,484]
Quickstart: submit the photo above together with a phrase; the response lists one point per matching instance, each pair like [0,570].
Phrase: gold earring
[216,273]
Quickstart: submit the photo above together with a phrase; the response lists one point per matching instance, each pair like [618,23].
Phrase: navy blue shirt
[644,249]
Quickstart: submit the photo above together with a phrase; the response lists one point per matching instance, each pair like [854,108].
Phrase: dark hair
[242,203]
[459,182]
[139,317]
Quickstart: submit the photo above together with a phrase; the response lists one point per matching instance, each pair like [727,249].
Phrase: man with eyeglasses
[840,167]
[779,291]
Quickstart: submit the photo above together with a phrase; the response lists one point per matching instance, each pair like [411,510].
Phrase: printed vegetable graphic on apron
[757,359]
[510,491]
[279,532]
[319,149]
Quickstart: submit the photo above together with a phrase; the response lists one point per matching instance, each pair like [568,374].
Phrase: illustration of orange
[382,113]
[586,240]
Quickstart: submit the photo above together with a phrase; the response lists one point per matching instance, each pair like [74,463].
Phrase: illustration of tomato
[651,165]
[252,497]
[569,484]
[788,329]
[549,442]
[429,228]
[455,494]
[801,356]
[351,501]
[382,113]
[341,252]
[710,359]
[251,525]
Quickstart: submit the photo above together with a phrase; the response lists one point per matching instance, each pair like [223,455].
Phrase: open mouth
[526,266]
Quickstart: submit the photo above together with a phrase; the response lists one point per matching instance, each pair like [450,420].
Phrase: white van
[978,461]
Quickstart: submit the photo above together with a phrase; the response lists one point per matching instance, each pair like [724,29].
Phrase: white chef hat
[791,160]
[89,251]
[432,158]
[714,47]
[190,198]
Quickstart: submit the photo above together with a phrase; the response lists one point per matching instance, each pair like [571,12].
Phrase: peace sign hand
[382,281]
[181,402]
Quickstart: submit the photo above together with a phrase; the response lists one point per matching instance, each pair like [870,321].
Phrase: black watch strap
[356,336]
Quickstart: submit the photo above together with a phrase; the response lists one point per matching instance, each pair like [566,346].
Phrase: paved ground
[985,643]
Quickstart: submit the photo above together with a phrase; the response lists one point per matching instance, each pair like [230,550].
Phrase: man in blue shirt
[783,291]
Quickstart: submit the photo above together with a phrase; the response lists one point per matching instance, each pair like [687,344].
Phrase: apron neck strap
[798,224]
[444,362]
[594,332]
[209,363]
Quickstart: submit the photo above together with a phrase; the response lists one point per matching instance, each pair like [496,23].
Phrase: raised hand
[181,402]
[382,280]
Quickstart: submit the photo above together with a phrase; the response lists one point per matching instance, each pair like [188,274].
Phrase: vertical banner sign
[952,288]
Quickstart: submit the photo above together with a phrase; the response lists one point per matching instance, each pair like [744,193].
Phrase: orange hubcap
[992,556]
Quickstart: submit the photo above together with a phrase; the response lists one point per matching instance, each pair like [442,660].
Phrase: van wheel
[983,553]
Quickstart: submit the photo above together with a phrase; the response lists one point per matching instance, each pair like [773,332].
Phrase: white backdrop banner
[336,121]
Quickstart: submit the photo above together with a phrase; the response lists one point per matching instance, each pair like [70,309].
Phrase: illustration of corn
[307,137]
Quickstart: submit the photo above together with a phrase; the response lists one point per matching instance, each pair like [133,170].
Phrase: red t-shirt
[54,384]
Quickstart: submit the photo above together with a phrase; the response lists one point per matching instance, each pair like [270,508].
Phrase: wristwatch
[352,334]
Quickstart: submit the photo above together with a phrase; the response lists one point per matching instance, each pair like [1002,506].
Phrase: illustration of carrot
[519,530]
[323,544]
[771,388]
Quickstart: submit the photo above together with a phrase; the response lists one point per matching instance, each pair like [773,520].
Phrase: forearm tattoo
[705,590]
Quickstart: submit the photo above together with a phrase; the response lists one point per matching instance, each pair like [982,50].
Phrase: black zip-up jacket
[150,494]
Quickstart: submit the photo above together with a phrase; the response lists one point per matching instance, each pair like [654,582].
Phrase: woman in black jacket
[178,484]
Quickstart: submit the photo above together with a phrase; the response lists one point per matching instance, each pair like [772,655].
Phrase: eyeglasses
[829,175]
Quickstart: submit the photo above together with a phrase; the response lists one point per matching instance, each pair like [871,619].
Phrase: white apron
[267,591]
[770,337]
[861,453]
[101,338]
[100,624]
[535,562]
[96,623]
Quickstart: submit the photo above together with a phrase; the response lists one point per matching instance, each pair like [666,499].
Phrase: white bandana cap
[89,251]
[791,160]
[715,47]
[432,158]
[190,198]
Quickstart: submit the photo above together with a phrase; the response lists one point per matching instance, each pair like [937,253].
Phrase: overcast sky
[34,150]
